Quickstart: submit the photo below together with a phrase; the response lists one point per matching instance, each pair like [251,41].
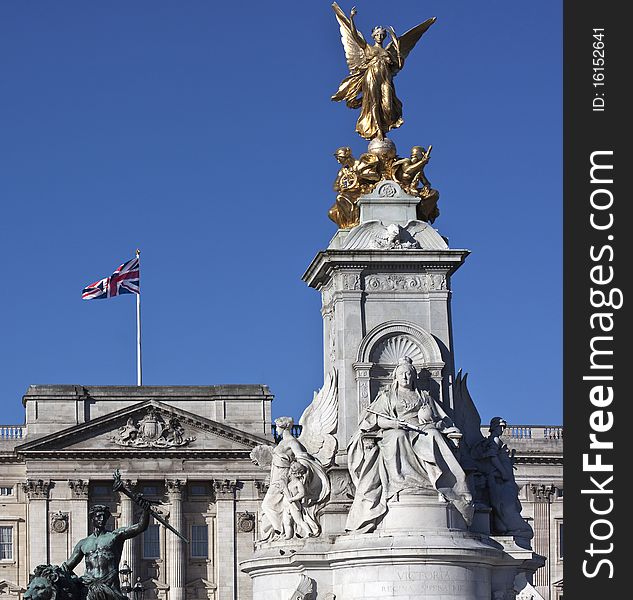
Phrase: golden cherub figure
[369,86]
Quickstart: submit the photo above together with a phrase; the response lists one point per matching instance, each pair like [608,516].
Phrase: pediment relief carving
[148,427]
[152,431]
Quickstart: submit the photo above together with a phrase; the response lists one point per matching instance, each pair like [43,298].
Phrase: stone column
[225,519]
[36,491]
[79,525]
[542,498]
[127,519]
[175,546]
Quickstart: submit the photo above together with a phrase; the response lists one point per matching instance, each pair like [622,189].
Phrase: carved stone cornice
[79,488]
[36,489]
[261,487]
[542,493]
[174,488]
[225,488]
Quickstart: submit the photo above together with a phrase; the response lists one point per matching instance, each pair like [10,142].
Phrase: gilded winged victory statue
[369,86]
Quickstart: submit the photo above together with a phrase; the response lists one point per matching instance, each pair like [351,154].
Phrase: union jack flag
[125,280]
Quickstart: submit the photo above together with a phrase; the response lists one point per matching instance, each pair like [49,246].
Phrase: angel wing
[400,47]
[320,420]
[354,43]
[467,416]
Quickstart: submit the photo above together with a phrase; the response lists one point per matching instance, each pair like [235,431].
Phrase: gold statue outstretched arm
[353,41]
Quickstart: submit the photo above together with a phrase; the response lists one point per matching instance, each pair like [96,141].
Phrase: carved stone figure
[129,432]
[152,431]
[305,589]
[491,467]
[395,238]
[369,85]
[296,514]
[52,582]
[102,553]
[497,464]
[405,443]
[299,485]
[355,177]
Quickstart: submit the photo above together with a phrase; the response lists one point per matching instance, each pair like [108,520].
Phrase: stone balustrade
[12,432]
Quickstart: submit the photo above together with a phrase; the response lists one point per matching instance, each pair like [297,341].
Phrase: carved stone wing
[467,416]
[320,420]
[364,236]
[425,235]
[354,43]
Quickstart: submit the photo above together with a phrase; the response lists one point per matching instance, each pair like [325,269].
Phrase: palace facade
[188,448]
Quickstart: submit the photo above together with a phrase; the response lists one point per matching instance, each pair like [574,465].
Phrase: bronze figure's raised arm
[369,86]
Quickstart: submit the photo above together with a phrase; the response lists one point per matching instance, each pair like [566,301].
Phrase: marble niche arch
[382,348]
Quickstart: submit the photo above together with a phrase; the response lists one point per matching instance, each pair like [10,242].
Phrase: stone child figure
[296,518]
[102,553]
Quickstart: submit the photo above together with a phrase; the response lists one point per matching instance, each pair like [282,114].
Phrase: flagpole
[139,367]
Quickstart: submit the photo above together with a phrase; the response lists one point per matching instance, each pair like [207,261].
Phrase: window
[560,540]
[199,541]
[101,490]
[150,490]
[198,489]
[6,543]
[6,491]
[151,542]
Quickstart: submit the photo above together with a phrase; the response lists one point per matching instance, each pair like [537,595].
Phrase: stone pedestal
[383,299]
[385,287]
[422,513]
[445,564]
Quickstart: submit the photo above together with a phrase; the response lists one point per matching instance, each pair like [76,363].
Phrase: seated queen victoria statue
[403,445]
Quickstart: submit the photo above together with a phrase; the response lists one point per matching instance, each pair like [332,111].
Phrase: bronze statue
[409,172]
[102,553]
[52,582]
[369,86]
[355,177]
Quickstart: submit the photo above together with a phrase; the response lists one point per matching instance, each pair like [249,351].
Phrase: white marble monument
[419,503]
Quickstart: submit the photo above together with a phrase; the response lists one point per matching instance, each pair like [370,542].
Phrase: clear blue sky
[203,132]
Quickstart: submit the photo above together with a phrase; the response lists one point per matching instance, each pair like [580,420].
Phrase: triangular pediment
[8,588]
[147,427]
[201,583]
